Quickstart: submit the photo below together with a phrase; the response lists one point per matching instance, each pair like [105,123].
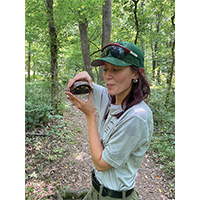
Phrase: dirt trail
[61,159]
[152,183]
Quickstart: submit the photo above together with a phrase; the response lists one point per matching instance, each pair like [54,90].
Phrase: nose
[107,75]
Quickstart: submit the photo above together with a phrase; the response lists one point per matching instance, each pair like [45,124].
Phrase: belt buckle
[104,192]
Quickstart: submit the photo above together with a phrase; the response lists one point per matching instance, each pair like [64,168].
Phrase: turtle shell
[80,87]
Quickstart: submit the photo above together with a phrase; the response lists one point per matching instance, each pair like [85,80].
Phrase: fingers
[75,100]
[86,107]
[70,83]
[90,82]
[90,96]
[81,76]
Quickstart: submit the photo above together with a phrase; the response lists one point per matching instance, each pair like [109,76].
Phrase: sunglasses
[117,51]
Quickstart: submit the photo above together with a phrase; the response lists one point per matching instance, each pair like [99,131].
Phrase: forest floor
[58,159]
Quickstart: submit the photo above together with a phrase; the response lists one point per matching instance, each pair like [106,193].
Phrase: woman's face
[118,80]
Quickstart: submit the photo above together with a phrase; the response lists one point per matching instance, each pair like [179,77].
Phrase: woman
[125,121]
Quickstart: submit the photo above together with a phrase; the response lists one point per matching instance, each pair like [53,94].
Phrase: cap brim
[111,60]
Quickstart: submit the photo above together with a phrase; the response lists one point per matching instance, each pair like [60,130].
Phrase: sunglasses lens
[105,52]
[115,51]
[118,52]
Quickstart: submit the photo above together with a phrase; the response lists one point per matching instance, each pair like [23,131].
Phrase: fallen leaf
[158,177]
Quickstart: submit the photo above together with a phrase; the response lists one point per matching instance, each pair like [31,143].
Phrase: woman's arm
[96,147]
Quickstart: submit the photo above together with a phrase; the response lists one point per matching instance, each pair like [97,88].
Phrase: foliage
[164,118]
[163,142]
[37,104]
[163,151]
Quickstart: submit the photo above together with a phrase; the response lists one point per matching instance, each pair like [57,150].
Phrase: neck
[118,100]
[120,97]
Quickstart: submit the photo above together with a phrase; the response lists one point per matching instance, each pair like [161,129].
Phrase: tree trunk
[171,73]
[29,63]
[173,63]
[54,52]
[106,33]
[136,20]
[154,55]
[85,47]
[153,62]
[156,50]
[158,72]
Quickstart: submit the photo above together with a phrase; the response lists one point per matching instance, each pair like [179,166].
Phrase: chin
[110,92]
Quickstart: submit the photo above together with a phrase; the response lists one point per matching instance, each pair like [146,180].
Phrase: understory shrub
[37,104]
[163,141]
[164,114]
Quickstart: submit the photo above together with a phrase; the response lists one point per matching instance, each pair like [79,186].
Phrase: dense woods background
[62,37]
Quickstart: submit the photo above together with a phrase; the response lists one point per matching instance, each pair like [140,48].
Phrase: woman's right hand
[82,76]
[85,106]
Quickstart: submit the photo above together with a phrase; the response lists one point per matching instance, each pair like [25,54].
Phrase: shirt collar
[115,109]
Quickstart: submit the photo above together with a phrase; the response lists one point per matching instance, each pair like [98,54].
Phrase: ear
[135,75]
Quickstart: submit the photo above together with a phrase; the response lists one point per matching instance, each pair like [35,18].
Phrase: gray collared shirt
[125,139]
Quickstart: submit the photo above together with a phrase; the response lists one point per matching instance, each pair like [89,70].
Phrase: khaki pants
[94,195]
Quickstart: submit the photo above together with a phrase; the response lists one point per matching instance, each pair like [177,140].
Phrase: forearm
[96,147]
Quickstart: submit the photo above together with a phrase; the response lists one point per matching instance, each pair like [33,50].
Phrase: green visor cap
[127,60]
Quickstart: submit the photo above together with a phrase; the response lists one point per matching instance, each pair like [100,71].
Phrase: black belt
[107,191]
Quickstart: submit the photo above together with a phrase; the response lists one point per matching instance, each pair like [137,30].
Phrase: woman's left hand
[86,107]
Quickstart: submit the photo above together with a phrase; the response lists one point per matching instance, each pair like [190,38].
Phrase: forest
[62,37]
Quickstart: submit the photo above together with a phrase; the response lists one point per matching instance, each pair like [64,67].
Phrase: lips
[109,85]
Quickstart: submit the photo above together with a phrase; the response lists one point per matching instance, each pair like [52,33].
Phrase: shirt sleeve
[131,136]
[99,97]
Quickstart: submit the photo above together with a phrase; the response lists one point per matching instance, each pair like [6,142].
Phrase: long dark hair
[139,92]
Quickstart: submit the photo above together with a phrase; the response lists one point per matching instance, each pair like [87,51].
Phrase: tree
[107,25]
[106,33]
[173,61]
[29,63]
[54,53]
[83,25]
[83,12]
[136,20]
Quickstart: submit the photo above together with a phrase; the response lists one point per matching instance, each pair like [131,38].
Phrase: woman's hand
[86,107]
[80,77]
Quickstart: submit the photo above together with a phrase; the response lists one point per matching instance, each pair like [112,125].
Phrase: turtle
[80,87]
